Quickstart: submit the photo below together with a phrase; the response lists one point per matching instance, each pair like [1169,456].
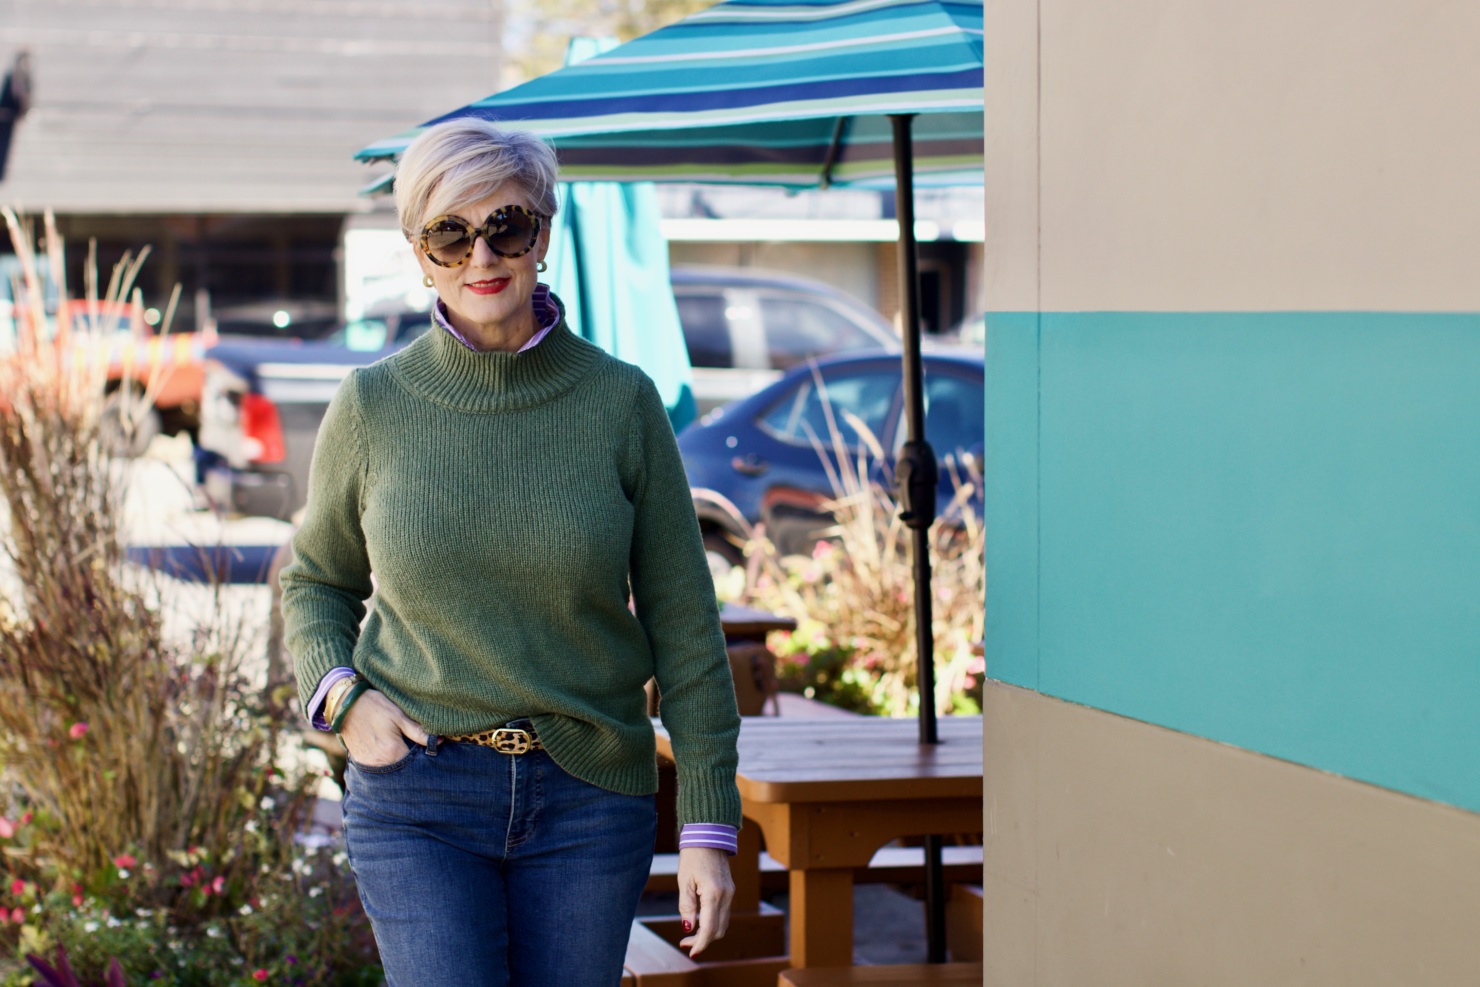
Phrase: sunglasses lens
[447,241]
[509,232]
[513,233]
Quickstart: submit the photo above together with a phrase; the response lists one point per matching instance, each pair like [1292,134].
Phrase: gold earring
[427,281]
[542,267]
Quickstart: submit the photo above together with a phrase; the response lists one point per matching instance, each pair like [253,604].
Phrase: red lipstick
[490,287]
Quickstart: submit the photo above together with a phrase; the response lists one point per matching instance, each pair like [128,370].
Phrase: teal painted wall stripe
[1260,528]
[1011,470]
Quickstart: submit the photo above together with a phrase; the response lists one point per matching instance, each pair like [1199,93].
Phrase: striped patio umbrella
[799,94]
[763,92]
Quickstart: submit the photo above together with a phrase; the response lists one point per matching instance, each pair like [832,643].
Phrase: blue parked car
[756,459]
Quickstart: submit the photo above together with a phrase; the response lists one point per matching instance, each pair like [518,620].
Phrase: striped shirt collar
[546,316]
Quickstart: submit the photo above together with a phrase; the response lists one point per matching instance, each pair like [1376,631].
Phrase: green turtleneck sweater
[506,503]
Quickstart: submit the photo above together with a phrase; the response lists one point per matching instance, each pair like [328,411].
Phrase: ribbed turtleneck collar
[443,370]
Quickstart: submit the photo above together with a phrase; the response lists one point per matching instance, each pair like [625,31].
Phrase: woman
[509,485]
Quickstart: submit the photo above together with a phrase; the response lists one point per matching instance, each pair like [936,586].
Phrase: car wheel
[722,552]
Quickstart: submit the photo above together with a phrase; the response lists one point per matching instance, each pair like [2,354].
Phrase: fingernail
[688,926]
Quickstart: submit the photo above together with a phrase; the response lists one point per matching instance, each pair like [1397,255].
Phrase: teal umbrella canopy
[764,92]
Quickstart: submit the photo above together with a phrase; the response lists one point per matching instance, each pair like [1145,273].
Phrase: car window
[797,328]
[955,414]
[801,414]
[706,330]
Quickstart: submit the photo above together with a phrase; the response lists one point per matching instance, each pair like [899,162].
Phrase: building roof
[230,105]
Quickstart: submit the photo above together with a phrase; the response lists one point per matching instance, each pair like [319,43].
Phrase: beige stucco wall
[1242,155]
[1119,853]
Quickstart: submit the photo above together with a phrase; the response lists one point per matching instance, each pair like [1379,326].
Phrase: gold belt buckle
[511,740]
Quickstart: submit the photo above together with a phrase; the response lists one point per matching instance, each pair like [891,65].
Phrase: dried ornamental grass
[141,781]
[93,699]
[853,597]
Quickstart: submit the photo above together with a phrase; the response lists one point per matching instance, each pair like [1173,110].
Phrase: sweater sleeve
[326,585]
[673,596]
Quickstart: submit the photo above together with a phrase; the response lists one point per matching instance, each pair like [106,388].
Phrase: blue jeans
[481,869]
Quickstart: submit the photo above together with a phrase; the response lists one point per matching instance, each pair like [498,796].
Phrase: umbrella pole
[918,479]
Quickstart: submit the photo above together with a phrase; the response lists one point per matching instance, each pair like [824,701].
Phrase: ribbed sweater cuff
[708,797]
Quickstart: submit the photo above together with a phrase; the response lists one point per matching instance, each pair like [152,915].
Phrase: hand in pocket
[376,731]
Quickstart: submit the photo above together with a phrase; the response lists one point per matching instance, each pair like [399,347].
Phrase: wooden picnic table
[827,794]
[749,624]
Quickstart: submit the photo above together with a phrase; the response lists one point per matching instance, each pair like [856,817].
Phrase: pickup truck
[169,367]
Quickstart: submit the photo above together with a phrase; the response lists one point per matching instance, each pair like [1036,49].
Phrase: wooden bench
[654,961]
[890,865]
[965,917]
[923,974]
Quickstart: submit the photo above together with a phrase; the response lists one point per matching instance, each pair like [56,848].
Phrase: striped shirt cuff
[717,836]
[316,704]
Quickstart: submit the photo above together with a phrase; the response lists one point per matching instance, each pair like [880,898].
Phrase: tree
[536,40]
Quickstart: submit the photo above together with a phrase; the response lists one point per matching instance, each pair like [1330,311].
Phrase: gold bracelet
[336,695]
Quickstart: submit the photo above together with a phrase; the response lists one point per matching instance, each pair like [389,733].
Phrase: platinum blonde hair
[465,160]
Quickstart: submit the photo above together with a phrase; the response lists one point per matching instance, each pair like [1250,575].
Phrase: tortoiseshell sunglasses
[510,231]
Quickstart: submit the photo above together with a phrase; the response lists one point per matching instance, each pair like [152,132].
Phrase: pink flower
[7,828]
[26,818]
[125,860]
[78,730]
[17,916]
[17,887]
[218,885]
[77,900]
[259,975]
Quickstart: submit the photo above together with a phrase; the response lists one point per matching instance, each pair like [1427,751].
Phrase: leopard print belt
[505,740]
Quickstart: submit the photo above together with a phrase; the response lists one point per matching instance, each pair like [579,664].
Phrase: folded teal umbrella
[609,265]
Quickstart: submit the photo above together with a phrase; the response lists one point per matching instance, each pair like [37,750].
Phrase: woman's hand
[704,895]
[375,731]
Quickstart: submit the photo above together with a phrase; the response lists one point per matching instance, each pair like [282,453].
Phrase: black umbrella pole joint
[918,478]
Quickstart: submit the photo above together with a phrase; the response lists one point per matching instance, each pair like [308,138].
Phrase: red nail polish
[688,926]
